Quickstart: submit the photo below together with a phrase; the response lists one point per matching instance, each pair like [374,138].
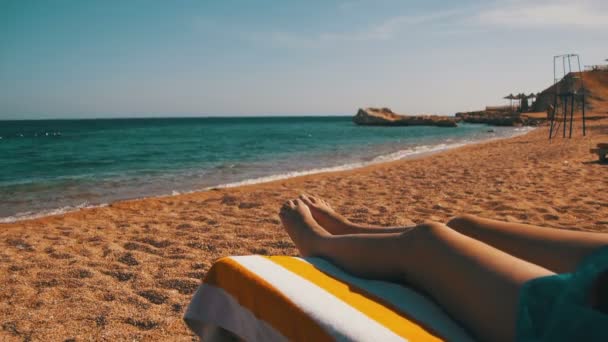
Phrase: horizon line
[202,116]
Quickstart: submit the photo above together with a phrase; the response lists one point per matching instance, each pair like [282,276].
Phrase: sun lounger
[281,298]
[601,151]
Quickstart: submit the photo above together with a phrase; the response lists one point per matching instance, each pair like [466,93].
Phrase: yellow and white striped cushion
[281,298]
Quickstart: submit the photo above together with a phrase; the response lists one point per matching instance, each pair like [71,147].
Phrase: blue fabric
[556,308]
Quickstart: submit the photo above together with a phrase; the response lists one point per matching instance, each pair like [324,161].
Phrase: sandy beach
[127,271]
[141,142]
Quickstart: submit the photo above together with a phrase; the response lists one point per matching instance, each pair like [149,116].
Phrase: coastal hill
[386,117]
[595,83]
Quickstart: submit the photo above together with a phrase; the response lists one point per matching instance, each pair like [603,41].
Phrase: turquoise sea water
[48,166]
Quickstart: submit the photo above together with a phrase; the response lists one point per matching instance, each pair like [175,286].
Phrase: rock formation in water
[386,117]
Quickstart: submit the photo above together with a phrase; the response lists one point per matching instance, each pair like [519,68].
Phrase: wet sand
[127,271]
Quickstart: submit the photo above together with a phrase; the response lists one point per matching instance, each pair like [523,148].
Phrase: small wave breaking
[29,215]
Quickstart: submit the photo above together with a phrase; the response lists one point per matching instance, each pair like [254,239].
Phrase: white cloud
[383,31]
[547,14]
[510,14]
[389,28]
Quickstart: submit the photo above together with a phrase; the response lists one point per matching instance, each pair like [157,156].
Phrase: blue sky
[113,58]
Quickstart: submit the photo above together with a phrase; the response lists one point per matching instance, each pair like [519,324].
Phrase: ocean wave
[29,215]
[410,152]
[398,155]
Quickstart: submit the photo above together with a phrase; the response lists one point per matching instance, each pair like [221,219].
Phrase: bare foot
[325,215]
[301,226]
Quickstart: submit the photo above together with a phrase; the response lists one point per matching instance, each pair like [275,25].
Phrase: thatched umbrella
[518,97]
[510,97]
[522,97]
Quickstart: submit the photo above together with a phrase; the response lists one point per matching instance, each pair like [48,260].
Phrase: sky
[130,58]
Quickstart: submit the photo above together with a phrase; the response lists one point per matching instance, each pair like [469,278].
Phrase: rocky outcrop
[494,118]
[500,118]
[386,117]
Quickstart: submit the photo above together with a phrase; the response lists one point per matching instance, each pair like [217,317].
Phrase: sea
[53,166]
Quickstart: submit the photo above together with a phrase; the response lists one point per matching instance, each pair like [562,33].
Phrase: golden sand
[127,271]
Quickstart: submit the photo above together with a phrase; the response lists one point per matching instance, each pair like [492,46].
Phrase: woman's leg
[474,282]
[337,224]
[556,249]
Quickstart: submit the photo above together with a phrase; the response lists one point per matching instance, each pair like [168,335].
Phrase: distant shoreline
[222,116]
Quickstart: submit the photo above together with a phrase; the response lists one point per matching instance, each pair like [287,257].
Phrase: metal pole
[584,128]
[583,95]
[565,101]
[568,97]
[554,70]
[552,118]
[571,114]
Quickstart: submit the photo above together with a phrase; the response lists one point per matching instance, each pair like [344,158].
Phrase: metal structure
[569,91]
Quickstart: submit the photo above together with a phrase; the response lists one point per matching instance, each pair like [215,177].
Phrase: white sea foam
[401,154]
[28,215]
[286,175]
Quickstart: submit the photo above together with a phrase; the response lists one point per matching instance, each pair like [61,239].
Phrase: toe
[306,199]
[284,208]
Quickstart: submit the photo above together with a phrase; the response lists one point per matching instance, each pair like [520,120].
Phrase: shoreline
[377,160]
[129,269]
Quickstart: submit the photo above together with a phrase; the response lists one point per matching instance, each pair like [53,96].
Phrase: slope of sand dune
[127,271]
[597,84]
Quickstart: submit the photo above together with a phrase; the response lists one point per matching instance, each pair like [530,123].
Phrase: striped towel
[281,298]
